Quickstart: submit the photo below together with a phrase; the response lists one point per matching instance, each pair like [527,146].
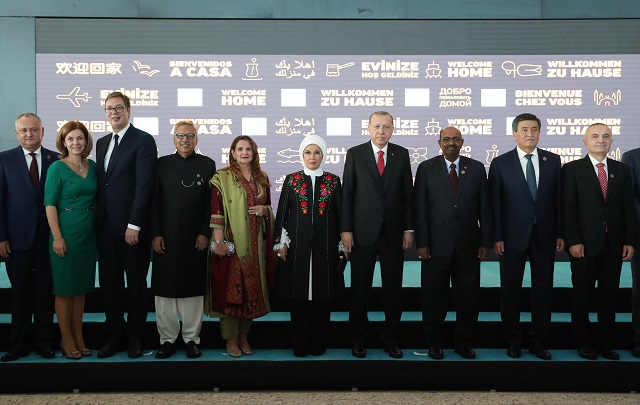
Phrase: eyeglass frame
[189,135]
[118,109]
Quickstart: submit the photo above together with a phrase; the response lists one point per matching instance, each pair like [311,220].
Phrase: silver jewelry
[77,164]
[279,255]
[229,245]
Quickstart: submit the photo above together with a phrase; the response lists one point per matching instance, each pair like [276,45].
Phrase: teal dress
[74,197]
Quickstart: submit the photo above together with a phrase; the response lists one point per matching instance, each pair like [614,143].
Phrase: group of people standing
[219,248]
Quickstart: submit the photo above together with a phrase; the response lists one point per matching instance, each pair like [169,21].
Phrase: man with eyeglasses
[126,161]
[180,216]
[453,235]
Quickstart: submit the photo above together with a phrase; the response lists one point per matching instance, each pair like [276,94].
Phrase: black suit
[377,209]
[124,196]
[603,227]
[23,223]
[453,227]
[632,159]
[529,228]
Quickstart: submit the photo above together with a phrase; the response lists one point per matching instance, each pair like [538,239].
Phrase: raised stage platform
[273,366]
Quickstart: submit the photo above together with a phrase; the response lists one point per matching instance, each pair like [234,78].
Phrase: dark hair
[65,130]
[257,173]
[116,94]
[524,117]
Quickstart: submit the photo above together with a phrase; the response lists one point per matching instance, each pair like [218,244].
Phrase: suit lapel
[122,146]
[20,161]
[517,169]
[462,174]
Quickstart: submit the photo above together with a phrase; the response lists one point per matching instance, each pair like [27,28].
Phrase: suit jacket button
[455,205]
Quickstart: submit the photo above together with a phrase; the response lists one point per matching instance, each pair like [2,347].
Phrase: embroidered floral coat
[311,218]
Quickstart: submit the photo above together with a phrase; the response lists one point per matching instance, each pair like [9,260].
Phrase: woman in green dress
[70,192]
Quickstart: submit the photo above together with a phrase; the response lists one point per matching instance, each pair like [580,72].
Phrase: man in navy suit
[126,161]
[24,238]
[632,159]
[600,230]
[377,222]
[453,235]
[525,186]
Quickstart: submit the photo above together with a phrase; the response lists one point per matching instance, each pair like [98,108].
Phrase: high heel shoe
[72,356]
[245,351]
[75,355]
[85,352]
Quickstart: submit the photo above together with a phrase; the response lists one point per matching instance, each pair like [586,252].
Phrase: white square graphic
[416,97]
[254,126]
[338,126]
[493,98]
[147,124]
[293,97]
[189,97]
[509,125]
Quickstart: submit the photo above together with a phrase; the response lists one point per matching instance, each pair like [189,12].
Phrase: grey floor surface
[333,397]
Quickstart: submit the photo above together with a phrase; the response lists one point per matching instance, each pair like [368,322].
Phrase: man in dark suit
[126,161]
[453,235]
[24,238]
[600,230]
[632,159]
[377,222]
[525,188]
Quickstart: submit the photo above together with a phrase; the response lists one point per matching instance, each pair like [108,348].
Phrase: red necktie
[33,171]
[602,178]
[453,176]
[380,162]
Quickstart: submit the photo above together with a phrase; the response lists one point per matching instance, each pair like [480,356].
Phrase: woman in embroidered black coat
[307,235]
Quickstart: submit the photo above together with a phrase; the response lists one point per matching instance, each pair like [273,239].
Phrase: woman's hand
[221,249]
[259,211]
[282,253]
[60,247]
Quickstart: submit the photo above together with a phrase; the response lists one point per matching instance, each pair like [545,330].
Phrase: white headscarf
[313,140]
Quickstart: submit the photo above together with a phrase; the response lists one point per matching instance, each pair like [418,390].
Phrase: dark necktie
[33,171]
[380,162]
[453,176]
[531,176]
[602,178]
[115,143]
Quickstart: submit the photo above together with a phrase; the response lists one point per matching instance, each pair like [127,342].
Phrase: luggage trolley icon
[333,69]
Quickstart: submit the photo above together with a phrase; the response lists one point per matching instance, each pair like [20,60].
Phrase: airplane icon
[288,154]
[74,97]
[139,66]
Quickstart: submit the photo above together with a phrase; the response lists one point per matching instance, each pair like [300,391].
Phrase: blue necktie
[531,176]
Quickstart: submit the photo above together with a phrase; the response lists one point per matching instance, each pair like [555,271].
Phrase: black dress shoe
[609,354]
[359,351]
[436,353]
[192,350]
[166,350]
[135,350]
[636,351]
[46,352]
[14,354]
[108,350]
[587,352]
[514,352]
[540,352]
[465,352]
[318,352]
[393,350]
